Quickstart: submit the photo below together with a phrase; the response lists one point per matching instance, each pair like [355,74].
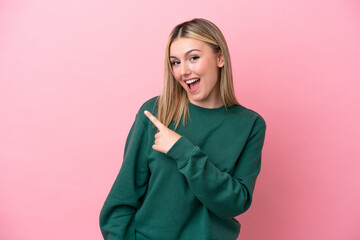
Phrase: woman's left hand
[165,138]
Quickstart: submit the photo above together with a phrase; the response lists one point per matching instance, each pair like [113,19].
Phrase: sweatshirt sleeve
[124,199]
[223,194]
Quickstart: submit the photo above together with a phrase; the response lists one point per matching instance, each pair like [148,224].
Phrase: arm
[225,195]
[124,199]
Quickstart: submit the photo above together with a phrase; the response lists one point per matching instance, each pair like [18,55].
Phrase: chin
[196,99]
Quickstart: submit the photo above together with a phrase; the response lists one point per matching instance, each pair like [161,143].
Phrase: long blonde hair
[173,101]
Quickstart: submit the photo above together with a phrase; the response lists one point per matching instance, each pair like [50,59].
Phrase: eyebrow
[187,53]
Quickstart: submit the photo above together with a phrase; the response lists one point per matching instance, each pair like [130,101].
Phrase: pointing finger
[154,120]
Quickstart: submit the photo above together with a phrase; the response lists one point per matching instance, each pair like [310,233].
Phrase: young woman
[189,171]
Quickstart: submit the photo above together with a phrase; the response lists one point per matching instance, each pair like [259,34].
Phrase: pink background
[74,73]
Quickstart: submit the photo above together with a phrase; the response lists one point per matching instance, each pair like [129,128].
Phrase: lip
[188,87]
[190,79]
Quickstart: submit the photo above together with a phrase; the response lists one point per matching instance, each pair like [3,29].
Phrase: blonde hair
[173,101]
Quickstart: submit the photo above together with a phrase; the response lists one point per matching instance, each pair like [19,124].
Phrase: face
[196,67]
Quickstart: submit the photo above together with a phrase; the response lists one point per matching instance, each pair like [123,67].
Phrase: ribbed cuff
[181,151]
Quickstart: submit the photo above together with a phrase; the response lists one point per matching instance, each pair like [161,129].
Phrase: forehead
[182,45]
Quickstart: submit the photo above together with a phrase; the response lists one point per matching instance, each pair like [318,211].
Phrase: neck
[214,101]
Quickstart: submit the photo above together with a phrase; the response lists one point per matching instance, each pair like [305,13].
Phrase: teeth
[191,81]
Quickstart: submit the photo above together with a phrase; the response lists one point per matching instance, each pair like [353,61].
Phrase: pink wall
[74,73]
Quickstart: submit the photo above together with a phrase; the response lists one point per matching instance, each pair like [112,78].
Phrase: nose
[185,70]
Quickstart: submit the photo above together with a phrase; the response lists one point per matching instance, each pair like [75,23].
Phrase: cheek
[210,69]
[201,68]
[176,74]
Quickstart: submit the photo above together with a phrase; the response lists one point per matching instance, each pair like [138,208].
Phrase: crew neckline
[193,106]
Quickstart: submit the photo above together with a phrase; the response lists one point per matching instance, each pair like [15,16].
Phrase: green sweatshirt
[195,190]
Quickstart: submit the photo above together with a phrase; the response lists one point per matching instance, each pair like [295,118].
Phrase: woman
[189,171]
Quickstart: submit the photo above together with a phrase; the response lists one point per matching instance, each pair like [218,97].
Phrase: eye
[194,58]
[175,63]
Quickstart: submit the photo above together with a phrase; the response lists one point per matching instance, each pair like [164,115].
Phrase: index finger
[154,120]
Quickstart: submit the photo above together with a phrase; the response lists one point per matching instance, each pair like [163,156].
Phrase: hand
[165,138]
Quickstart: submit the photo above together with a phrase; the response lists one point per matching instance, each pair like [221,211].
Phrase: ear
[220,59]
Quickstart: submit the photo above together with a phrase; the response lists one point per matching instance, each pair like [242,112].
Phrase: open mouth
[193,84]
